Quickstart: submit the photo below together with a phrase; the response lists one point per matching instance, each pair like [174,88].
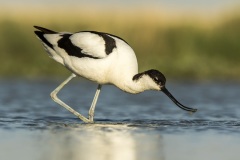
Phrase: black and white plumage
[103,58]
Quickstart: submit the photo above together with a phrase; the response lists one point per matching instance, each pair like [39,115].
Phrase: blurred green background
[186,40]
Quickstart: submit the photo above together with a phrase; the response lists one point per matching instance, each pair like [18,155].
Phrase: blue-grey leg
[57,100]
[94,102]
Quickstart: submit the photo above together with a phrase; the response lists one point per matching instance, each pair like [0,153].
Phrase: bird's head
[155,80]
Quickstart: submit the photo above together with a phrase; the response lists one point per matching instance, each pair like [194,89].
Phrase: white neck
[136,86]
[133,87]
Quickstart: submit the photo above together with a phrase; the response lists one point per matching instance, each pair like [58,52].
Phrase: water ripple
[168,126]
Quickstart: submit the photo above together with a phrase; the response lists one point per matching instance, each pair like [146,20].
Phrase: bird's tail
[40,34]
[47,37]
[44,30]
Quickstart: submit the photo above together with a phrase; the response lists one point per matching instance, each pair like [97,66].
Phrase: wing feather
[89,44]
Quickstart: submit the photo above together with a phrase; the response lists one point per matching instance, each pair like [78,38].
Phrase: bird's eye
[155,79]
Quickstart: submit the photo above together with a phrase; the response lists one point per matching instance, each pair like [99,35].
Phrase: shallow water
[134,127]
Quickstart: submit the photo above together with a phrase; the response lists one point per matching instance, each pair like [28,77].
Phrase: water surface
[133,127]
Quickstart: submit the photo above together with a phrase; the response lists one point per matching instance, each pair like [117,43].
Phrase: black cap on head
[155,75]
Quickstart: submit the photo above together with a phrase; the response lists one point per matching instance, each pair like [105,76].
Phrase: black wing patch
[110,43]
[117,37]
[40,35]
[71,49]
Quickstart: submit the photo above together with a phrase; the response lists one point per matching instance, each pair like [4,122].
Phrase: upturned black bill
[176,102]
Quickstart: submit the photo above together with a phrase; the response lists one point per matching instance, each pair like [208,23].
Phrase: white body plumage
[117,67]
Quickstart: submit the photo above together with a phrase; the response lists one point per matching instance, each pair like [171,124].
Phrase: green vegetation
[181,50]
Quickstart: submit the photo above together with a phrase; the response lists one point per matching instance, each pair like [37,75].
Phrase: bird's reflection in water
[102,142]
